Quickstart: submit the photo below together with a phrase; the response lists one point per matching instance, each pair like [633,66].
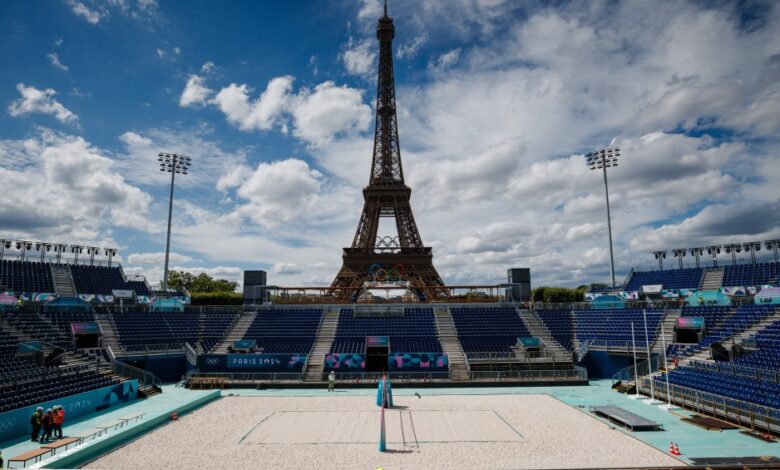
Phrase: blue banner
[16,423]
[425,362]
[244,343]
[252,362]
[530,342]
[30,347]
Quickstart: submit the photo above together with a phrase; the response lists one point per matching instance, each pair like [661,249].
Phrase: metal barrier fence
[739,371]
[577,373]
[153,348]
[729,409]
[126,370]
[643,367]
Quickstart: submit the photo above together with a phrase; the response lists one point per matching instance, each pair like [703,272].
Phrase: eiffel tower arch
[371,256]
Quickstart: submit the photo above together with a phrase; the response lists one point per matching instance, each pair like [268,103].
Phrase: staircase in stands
[448,338]
[670,319]
[63,280]
[237,333]
[109,337]
[755,328]
[322,344]
[712,279]
[537,328]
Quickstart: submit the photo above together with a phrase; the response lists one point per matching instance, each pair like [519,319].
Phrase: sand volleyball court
[455,431]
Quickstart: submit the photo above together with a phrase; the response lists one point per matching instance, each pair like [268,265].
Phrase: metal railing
[576,373]
[738,371]
[126,370]
[153,348]
[643,367]
[190,354]
[731,409]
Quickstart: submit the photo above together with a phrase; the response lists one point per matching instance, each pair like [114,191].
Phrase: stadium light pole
[679,254]
[660,255]
[697,252]
[770,245]
[714,250]
[601,160]
[173,164]
[752,247]
[7,244]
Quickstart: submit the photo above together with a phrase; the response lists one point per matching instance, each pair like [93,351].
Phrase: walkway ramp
[625,418]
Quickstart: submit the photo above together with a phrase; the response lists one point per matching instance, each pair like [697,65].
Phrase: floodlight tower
[601,160]
[110,252]
[173,164]
[92,251]
[752,247]
[76,249]
[58,249]
[733,249]
[680,254]
[773,245]
[697,252]
[660,256]
[7,244]
[23,246]
[714,250]
[43,248]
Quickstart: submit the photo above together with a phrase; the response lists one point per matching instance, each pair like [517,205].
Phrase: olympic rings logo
[396,273]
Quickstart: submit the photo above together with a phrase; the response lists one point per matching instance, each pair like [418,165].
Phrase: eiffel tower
[373,258]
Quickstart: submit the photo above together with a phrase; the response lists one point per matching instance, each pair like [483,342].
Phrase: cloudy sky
[497,103]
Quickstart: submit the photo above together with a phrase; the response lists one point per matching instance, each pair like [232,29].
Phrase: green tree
[200,283]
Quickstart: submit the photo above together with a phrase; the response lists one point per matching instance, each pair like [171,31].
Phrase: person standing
[59,418]
[331,381]
[35,421]
[48,422]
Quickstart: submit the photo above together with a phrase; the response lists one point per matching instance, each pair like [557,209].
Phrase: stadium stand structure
[688,278]
[560,325]
[414,331]
[612,327]
[66,279]
[488,329]
[136,331]
[279,331]
[751,274]
[26,276]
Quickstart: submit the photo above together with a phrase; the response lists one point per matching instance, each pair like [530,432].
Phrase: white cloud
[286,269]
[207,67]
[447,59]
[329,111]
[195,92]
[409,50]
[279,191]
[359,58]
[317,115]
[34,100]
[261,114]
[80,9]
[55,61]
[61,187]
[157,258]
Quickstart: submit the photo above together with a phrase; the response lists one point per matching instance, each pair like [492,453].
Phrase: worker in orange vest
[59,418]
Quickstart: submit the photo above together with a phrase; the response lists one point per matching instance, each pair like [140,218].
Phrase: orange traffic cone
[671,448]
[174,417]
[676,450]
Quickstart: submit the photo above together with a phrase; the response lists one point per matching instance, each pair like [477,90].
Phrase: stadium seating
[767,354]
[98,280]
[559,322]
[37,327]
[26,276]
[751,274]
[285,331]
[155,328]
[488,329]
[747,389]
[745,317]
[688,278]
[140,287]
[415,331]
[612,327]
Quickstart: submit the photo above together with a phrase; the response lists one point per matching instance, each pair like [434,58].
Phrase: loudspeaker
[520,280]
[255,291]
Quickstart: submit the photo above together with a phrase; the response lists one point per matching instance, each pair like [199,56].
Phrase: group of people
[51,422]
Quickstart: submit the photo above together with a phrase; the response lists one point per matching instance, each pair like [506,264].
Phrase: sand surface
[465,431]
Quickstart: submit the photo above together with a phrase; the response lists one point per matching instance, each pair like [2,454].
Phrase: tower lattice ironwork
[387,258]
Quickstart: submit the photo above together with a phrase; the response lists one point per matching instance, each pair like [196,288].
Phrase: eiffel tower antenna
[402,258]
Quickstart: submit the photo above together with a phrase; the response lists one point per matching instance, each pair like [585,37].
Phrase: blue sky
[498,101]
